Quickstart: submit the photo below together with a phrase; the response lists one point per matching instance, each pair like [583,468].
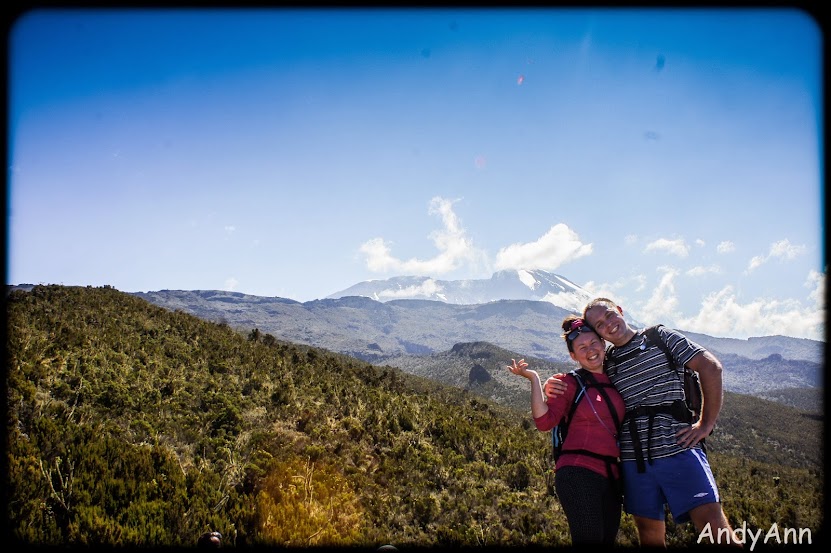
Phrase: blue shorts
[683,481]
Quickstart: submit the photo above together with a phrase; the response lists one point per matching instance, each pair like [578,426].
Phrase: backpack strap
[689,378]
[676,409]
[654,337]
[577,397]
[592,382]
[556,437]
[579,394]
[600,388]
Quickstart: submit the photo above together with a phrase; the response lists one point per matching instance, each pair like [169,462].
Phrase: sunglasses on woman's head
[576,332]
[577,326]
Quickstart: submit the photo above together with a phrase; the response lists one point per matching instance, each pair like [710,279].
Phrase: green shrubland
[131,425]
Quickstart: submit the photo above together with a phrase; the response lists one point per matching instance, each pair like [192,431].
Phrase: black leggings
[591,504]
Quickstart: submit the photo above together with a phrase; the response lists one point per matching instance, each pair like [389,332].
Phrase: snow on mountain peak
[527,279]
[520,284]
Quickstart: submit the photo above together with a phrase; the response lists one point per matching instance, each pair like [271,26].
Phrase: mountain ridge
[379,332]
[508,284]
[383,332]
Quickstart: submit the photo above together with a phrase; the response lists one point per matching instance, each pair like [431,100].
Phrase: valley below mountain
[402,332]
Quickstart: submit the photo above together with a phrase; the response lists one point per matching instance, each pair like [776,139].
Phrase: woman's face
[589,350]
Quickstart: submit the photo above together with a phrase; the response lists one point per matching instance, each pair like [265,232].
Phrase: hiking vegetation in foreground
[131,425]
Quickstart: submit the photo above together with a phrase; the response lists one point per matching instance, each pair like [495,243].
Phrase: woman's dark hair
[574,322]
[567,323]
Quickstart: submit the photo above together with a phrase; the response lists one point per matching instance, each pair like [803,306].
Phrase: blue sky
[667,158]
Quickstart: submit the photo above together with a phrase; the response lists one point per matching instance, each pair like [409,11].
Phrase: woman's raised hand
[518,367]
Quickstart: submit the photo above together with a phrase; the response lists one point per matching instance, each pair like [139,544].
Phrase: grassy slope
[133,425]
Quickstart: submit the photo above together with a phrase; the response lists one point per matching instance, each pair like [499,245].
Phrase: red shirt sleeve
[558,405]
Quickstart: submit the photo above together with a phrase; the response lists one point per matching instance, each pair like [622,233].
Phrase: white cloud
[726,247]
[785,249]
[378,258]
[630,239]
[782,249]
[230,228]
[568,300]
[816,280]
[661,305]
[617,290]
[231,284]
[640,280]
[700,243]
[675,247]
[455,247]
[755,261]
[701,270]
[721,314]
[426,288]
[557,246]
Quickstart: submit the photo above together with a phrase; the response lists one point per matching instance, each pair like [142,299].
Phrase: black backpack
[559,432]
[692,386]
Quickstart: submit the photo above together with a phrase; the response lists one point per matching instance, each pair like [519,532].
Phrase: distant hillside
[760,376]
[761,347]
[480,368]
[374,331]
[385,332]
[809,400]
[133,425]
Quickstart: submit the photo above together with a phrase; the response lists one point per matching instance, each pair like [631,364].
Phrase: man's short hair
[606,302]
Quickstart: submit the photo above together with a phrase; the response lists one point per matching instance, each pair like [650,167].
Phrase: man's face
[608,322]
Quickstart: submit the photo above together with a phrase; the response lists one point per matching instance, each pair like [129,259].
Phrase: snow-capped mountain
[518,284]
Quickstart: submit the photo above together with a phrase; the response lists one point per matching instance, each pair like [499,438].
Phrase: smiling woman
[584,423]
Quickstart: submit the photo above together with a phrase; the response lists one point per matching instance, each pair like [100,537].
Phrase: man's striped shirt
[643,377]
